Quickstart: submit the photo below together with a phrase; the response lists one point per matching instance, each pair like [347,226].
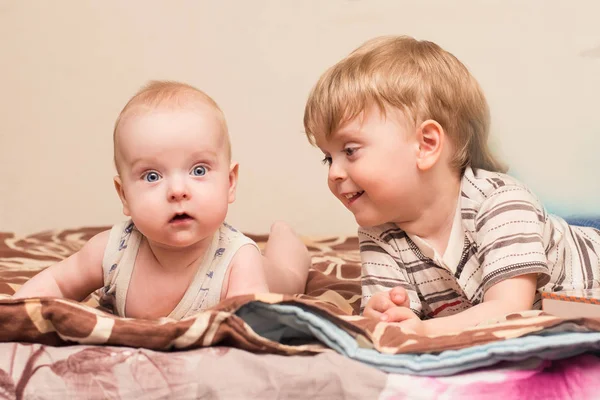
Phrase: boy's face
[175,181]
[373,167]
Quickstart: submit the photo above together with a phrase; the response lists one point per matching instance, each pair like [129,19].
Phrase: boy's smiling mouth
[352,196]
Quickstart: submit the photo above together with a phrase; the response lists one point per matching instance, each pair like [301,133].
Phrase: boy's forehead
[365,121]
[353,123]
[348,127]
[343,130]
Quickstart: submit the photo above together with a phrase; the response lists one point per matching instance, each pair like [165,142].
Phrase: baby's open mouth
[181,217]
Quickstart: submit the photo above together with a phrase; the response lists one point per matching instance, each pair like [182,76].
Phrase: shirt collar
[453,252]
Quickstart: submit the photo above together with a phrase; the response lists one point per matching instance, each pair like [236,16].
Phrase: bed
[272,346]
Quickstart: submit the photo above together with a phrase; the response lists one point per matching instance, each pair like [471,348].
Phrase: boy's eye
[350,150]
[326,160]
[151,176]
[199,170]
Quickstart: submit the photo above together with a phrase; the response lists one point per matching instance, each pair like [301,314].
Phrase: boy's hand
[381,302]
[414,325]
[406,318]
[398,314]
[399,296]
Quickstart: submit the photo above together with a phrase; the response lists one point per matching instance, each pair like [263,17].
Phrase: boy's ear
[233,178]
[121,193]
[431,139]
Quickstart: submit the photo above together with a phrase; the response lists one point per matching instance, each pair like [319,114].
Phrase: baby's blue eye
[151,177]
[199,170]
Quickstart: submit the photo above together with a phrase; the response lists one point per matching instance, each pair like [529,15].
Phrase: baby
[175,255]
[447,240]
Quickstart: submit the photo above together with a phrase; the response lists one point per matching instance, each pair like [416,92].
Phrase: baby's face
[176,180]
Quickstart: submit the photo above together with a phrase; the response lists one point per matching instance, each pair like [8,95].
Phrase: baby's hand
[381,302]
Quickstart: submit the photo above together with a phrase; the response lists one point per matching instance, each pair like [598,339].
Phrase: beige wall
[68,67]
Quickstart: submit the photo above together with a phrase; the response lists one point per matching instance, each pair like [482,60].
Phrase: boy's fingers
[370,313]
[380,303]
[398,314]
[399,296]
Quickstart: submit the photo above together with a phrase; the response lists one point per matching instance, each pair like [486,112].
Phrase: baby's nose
[178,191]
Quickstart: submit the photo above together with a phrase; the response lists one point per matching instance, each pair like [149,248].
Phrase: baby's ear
[233,178]
[431,139]
[121,193]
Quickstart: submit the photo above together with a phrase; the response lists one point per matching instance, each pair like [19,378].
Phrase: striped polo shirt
[500,231]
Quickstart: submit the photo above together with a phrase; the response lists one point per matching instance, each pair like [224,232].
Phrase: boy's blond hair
[417,77]
[172,94]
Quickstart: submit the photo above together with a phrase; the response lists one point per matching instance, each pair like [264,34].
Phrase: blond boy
[447,240]
[175,255]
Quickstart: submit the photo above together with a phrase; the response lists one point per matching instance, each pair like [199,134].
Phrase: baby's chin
[180,240]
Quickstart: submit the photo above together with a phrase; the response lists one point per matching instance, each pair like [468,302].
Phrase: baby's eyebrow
[137,161]
[207,156]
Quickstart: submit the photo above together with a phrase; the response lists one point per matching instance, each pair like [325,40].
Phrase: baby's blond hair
[417,77]
[172,94]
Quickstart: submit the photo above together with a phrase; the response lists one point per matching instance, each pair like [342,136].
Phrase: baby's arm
[246,274]
[74,278]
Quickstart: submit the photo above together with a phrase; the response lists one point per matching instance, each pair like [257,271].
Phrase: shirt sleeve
[382,269]
[509,232]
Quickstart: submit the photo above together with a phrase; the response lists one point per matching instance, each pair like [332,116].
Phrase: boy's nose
[336,172]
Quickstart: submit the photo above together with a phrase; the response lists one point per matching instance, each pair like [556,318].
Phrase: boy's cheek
[331,187]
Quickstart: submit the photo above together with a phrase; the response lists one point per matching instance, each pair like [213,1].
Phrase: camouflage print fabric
[333,291]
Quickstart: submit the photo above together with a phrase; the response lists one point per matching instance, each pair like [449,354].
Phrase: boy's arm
[246,274]
[509,232]
[74,277]
[509,296]
[510,228]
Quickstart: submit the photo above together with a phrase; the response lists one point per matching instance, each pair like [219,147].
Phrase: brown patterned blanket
[332,294]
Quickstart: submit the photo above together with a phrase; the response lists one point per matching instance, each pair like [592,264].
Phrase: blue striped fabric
[593,221]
